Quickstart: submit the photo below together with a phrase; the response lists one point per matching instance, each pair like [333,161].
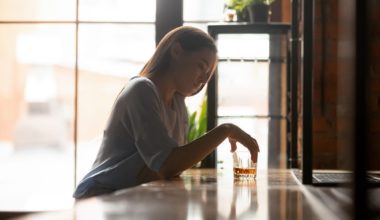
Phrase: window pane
[203,10]
[108,56]
[243,46]
[117,10]
[243,88]
[36,10]
[36,117]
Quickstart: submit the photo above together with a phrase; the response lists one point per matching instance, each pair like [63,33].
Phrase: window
[37,10]
[243,83]
[243,79]
[36,117]
[198,13]
[44,51]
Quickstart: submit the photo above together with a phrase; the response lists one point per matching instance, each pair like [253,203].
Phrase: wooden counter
[214,194]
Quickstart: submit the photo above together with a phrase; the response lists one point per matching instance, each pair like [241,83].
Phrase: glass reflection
[244,200]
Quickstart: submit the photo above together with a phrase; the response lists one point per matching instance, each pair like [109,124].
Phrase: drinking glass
[244,167]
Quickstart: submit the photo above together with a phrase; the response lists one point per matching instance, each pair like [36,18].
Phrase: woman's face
[193,69]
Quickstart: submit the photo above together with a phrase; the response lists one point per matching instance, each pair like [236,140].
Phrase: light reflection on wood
[213,194]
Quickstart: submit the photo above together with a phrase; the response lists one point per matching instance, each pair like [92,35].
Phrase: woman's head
[185,50]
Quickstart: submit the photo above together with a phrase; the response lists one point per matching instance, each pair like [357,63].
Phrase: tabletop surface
[214,194]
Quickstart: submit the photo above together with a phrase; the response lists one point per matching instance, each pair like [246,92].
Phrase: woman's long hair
[191,39]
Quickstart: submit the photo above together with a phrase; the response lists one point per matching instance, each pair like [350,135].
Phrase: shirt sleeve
[143,119]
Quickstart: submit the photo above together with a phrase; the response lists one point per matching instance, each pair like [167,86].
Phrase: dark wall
[374,84]
[333,84]
[325,74]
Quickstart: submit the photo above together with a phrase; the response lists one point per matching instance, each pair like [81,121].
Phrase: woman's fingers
[249,142]
[253,148]
[254,156]
[233,144]
[256,145]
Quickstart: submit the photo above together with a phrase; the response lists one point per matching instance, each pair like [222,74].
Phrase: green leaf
[192,127]
[202,123]
[198,122]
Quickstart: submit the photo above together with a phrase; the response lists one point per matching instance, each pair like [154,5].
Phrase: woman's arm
[184,157]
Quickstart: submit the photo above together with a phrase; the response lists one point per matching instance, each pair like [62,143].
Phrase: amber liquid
[244,172]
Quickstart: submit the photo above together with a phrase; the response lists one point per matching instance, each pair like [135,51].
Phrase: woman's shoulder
[140,82]
[138,87]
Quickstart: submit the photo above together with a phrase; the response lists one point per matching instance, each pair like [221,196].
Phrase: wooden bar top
[214,194]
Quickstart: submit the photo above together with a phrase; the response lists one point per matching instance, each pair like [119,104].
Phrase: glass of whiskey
[244,167]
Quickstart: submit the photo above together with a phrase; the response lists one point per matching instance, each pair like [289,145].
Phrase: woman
[145,138]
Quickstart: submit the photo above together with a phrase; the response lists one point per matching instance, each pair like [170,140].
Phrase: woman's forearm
[184,157]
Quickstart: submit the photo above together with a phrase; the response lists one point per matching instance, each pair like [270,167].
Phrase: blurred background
[46,51]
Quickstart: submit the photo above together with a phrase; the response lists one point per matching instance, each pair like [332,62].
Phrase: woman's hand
[235,134]
[233,144]
[184,157]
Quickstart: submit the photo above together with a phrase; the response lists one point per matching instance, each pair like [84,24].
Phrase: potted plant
[240,9]
[251,10]
[258,10]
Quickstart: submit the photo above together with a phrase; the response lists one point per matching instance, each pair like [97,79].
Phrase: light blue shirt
[140,131]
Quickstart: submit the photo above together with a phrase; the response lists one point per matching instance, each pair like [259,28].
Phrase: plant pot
[258,13]
[242,15]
